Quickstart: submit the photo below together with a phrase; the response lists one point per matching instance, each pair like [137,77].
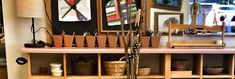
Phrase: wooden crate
[181,73]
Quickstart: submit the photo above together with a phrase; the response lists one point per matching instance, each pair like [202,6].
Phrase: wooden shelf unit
[166,55]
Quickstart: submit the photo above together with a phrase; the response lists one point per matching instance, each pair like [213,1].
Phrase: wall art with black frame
[79,27]
[174,5]
[113,10]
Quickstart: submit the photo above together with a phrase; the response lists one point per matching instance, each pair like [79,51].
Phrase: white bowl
[56,72]
[55,66]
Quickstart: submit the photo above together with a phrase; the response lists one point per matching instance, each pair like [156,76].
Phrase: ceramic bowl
[213,70]
[56,72]
[55,66]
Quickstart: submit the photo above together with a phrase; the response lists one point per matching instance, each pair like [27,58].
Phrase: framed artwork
[162,20]
[113,10]
[168,4]
[74,10]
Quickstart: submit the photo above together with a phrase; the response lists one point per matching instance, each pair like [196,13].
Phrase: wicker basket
[181,65]
[144,71]
[115,68]
[84,68]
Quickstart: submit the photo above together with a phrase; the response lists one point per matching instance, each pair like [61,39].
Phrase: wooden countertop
[227,50]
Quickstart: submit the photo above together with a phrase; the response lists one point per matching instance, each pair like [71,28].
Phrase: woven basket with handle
[115,68]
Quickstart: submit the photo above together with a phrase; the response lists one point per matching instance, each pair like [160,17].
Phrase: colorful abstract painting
[114,14]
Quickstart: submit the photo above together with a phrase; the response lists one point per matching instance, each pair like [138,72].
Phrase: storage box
[181,73]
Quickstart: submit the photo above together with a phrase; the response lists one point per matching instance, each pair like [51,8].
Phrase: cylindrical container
[68,40]
[144,40]
[55,66]
[112,41]
[79,39]
[155,41]
[57,39]
[90,41]
[101,40]
[56,72]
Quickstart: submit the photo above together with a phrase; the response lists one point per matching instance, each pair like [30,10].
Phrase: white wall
[17,32]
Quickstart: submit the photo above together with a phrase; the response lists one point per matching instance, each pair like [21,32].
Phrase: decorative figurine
[215,19]
[194,10]
[204,17]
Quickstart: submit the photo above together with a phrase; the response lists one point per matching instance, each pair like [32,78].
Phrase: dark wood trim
[162,6]
[156,14]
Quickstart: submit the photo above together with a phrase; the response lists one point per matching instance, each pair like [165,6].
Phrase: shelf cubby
[222,60]
[78,63]
[44,60]
[195,66]
[109,57]
[146,60]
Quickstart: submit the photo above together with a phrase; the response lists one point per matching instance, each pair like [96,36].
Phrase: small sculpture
[194,10]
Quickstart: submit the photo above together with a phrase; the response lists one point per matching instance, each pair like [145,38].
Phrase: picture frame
[162,19]
[105,27]
[174,5]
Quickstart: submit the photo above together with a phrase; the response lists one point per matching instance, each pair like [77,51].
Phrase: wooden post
[99,66]
[233,63]
[223,30]
[201,65]
[65,66]
[169,35]
[29,66]
[99,15]
[167,66]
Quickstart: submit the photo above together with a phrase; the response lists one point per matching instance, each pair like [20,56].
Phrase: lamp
[30,9]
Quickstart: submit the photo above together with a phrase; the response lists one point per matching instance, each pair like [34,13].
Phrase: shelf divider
[29,66]
[167,65]
[232,64]
[99,66]
[201,58]
[65,66]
